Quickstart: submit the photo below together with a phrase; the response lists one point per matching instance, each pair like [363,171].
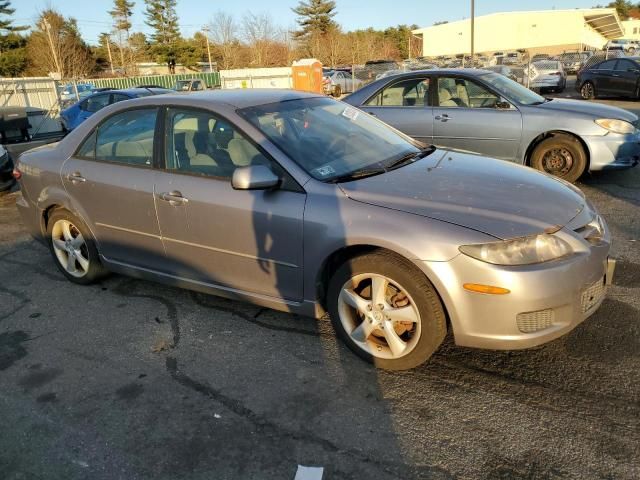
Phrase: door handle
[443,118]
[76,177]
[174,198]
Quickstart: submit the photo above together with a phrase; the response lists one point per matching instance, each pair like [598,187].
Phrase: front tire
[562,156]
[386,311]
[337,91]
[73,248]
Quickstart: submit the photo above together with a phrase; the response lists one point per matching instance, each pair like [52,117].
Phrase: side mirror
[254,177]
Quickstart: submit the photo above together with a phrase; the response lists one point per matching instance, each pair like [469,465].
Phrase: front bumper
[545,301]
[613,151]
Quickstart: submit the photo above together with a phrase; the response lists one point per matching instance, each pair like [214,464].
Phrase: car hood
[590,108]
[487,195]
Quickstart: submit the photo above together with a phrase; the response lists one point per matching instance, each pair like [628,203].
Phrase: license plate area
[592,295]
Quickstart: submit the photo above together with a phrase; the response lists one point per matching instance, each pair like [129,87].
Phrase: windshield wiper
[365,172]
[410,158]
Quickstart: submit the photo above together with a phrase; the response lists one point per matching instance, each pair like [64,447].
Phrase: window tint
[127,137]
[88,148]
[118,97]
[608,65]
[413,92]
[459,92]
[199,142]
[624,65]
[96,103]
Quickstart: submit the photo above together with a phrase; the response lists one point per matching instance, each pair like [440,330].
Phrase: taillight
[17,174]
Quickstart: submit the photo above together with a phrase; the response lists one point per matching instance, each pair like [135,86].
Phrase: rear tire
[380,289]
[588,91]
[562,156]
[73,248]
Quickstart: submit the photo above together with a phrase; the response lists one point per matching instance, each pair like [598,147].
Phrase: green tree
[315,17]
[13,56]
[162,18]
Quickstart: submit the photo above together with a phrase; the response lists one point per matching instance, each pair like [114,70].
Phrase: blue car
[78,112]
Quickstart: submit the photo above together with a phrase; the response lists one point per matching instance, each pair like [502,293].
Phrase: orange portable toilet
[307,75]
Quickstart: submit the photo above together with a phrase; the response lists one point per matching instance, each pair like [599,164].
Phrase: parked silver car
[547,75]
[337,82]
[487,113]
[305,204]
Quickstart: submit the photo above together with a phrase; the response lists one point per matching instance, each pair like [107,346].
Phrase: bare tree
[223,31]
[260,33]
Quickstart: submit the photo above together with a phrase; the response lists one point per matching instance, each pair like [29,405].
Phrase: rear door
[110,178]
[406,105]
[246,241]
[467,117]
[624,78]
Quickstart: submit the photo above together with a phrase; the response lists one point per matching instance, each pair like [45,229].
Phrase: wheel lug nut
[369,307]
[381,306]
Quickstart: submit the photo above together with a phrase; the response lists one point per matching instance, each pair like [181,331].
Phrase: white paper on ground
[309,473]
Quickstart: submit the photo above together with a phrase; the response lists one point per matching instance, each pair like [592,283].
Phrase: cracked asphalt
[128,379]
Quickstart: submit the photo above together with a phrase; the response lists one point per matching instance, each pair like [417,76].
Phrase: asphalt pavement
[128,379]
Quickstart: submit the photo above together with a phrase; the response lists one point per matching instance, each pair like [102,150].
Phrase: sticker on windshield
[325,170]
[351,113]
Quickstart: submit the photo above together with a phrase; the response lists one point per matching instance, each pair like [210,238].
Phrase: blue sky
[93,18]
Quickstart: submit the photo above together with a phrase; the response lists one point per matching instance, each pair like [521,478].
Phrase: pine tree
[13,57]
[161,16]
[315,17]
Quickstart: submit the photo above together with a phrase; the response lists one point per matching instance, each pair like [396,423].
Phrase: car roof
[239,98]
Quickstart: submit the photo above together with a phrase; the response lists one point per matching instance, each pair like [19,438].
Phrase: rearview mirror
[254,177]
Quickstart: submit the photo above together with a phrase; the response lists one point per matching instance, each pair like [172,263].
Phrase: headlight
[616,126]
[520,251]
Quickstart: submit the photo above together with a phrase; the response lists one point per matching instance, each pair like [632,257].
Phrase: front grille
[592,295]
[530,322]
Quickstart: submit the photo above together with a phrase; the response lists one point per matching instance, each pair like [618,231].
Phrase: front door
[405,105]
[248,241]
[110,178]
[468,118]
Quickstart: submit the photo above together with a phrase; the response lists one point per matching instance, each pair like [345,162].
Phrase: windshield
[329,139]
[512,90]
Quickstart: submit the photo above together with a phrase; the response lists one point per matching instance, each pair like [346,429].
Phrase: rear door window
[127,137]
[412,92]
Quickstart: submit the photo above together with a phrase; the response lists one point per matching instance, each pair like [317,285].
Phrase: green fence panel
[212,79]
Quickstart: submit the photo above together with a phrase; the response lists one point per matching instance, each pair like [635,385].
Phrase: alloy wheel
[587,91]
[379,315]
[70,248]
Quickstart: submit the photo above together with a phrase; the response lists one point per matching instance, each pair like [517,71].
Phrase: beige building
[548,31]
[631,29]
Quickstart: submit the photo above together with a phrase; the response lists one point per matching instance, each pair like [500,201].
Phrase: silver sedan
[305,204]
[484,112]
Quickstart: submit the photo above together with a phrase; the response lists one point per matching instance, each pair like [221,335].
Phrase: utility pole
[205,29]
[473,18]
[56,60]
[107,40]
